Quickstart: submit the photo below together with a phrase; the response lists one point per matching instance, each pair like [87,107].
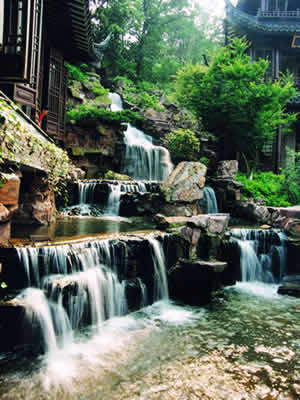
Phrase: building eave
[69,22]
[252,23]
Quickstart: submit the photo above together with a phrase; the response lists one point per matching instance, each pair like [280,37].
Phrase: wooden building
[36,37]
[273,29]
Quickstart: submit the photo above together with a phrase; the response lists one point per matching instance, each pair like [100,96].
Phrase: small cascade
[50,317]
[143,160]
[73,285]
[210,200]
[262,254]
[86,192]
[161,290]
[113,202]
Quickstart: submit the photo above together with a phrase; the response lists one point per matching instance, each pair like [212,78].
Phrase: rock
[186,182]
[4,214]
[290,286]
[9,192]
[251,211]
[163,222]
[214,224]
[37,204]
[218,224]
[179,209]
[193,281]
[116,176]
[227,192]
[228,169]
[77,174]
[292,228]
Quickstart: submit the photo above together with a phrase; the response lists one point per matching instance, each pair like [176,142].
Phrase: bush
[183,145]
[267,186]
[235,100]
[142,95]
[75,73]
[89,114]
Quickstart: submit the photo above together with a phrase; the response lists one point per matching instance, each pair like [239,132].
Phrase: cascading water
[161,290]
[86,192]
[210,200]
[73,285]
[143,160]
[262,254]
[113,202]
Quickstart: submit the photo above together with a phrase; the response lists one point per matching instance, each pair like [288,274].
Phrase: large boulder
[228,169]
[193,281]
[186,182]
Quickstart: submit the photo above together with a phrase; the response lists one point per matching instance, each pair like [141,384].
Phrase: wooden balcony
[279,14]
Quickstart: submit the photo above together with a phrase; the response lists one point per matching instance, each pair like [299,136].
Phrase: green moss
[116,176]
[20,145]
[81,151]
[76,73]
[89,114]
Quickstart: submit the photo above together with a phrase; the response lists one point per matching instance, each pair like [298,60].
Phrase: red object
[43,114]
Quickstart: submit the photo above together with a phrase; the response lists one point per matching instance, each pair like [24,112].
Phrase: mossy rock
[75,88]
[81,151]
[116,176]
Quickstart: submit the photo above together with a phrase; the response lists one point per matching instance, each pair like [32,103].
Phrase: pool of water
[245,345]
[81,226]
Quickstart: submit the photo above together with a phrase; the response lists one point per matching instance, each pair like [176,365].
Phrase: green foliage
[88,115]
[235,100]
[291,173]
[77,73]
[205,161]
[183,145]
[19,145]
[142,95]
[267,186]
[152,39]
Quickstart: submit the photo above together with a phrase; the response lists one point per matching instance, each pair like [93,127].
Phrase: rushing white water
[74,285]
[54,324]
[86,192]
[262,254]
[210,200]
[143,160]
[161,290]
[113,202]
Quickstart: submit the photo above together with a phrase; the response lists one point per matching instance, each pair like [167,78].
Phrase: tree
[235,101]
[183,145]
[152,39]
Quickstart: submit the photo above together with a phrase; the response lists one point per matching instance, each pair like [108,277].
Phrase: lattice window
[20,36]
[268,148]
[56,95]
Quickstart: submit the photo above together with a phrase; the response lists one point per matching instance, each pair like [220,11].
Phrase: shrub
[183,144]
[75,73]
[89,114]
[267,186]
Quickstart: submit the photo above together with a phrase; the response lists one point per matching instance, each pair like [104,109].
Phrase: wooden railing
[279,14]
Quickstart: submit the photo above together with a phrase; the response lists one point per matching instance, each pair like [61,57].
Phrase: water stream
[210,200]
[143,160]
[262,254]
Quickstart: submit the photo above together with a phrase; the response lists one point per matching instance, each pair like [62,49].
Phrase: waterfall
[113,202]
[86,192]
[143,160]
[161,290]
[262,254]
[210,200]
[73,285]
[50,317]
